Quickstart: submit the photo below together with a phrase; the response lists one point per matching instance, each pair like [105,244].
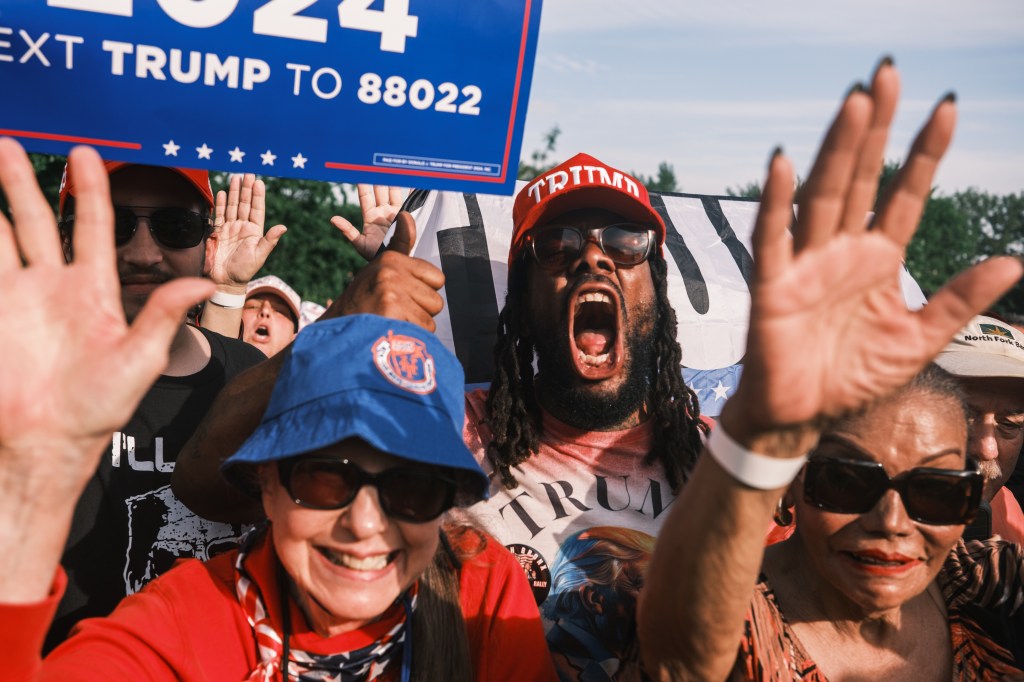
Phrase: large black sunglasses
[171,227]
[939,497]
[406,494]
[627,244]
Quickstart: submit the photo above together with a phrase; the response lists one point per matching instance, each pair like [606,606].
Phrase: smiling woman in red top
[353,576]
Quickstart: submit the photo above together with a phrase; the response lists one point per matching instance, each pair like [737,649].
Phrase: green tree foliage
[946,243]
[960,230]
[664,181]
[751,190]
[540,159]
[999,222]
[49,170]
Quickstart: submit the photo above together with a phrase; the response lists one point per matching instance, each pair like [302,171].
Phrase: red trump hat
[199,179]
[581,182]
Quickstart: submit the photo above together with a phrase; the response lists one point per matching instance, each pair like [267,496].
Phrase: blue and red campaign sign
[401,92]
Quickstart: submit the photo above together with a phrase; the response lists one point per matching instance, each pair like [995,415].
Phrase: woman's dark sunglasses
[939,497]
[628,244]
[414,495]
[171,227]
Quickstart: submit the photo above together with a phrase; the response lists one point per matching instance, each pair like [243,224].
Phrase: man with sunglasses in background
[987,356]
[128,526]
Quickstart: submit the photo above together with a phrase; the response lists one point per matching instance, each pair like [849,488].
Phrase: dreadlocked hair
[673,406]
[514,415]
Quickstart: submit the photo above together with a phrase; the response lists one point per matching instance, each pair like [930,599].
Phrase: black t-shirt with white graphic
[128,526]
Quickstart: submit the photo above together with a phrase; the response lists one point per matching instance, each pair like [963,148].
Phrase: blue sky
[712,87]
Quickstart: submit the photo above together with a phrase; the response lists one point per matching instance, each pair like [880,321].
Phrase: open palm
[74,371]
[380,205]
[239,246]
[829,328]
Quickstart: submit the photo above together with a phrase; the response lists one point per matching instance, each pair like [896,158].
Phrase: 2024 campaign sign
[401,92]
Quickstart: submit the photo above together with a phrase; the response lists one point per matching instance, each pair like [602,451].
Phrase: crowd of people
[206,478]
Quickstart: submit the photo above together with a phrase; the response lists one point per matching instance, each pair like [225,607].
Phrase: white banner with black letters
[709,266]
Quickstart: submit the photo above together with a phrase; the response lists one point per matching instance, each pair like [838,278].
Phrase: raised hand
[73,370]
[238,247]
[829,329]
[394,284]
[380,205]
[829,332]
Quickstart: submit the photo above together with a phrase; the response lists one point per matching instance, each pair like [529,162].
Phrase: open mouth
[375,562]
[262,333]
[594,323]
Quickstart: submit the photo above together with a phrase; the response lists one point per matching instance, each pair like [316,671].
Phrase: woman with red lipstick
[834,415]
[354,576]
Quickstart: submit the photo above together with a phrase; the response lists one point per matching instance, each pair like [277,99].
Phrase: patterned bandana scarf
[361,665]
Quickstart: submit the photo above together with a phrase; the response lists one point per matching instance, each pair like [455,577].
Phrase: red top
[1007,517]
[188,625]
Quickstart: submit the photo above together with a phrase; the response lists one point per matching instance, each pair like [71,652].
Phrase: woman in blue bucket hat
[354,576]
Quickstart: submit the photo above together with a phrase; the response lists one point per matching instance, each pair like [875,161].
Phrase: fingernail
[856,87]
[949,97]
[776,153]
[886,60]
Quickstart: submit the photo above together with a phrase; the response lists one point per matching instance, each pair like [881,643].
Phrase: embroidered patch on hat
[405,362]
[995,330]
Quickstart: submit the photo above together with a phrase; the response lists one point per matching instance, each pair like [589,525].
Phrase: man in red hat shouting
[587,294]
[591,448]
[128,526]
[588,451]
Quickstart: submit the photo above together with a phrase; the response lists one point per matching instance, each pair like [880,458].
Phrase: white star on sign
[236,155]
[299,161]
[721,392]
[204,151]
[268,158]
[171,149]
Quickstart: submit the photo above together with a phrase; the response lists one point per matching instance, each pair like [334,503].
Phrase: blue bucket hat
[390,383]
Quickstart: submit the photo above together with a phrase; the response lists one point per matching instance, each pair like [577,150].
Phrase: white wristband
[232,301]
[750,468]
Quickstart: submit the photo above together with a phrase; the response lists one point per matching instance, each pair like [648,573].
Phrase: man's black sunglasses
[171,227]
[939,497]
[407,494]
[627,244]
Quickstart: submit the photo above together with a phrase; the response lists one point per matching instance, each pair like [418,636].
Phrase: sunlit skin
[820,574]
[997,427]
[552,299]
[334,598]
[143,264]
[267,323]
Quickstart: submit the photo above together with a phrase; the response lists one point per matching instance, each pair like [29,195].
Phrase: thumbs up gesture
[393,284]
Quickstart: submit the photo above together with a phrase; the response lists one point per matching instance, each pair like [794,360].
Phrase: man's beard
[587,409]
[992,472]
[131,273]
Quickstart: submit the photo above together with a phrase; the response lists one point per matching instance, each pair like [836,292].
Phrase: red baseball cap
[581,182]
[200,179]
